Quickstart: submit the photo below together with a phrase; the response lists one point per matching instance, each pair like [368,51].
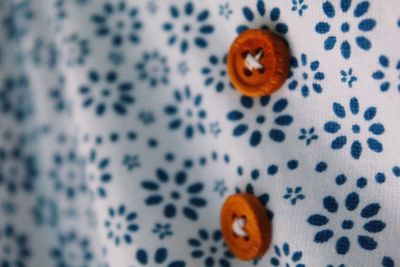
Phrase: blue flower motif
[215,74]
[72,250]
[15,250]
[67,173]
[380,74]
[153,68]
[348,29]
[44,53]
[77,49]
[305,76]
[188,26]
[348,226]
[308,135]
[16,97]
[286,258]
[19,168]
[259,116]
[334,127]
[119,22]
[220,187]
[187,113]
[294,194]
[160,258]
[348,77]
[215,129]
[101,177]
[175,194]
[45,212]
[261,12]
[107,91]
[19,16]
[209,246]
[121,225]
[183,68]
[57,95]
[131,161]
[299,6]
[263,198]
[162,230]
[225,10]
[147,117]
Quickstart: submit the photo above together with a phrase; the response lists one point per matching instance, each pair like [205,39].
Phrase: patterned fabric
[121,135]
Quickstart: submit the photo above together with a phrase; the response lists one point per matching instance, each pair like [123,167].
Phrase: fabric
[121,135]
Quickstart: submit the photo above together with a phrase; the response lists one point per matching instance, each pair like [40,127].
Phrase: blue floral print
[106,91]
[99,180]
[215,74]
[19,16]
[225,10]
[187,113]
[375,128]
[162,230]
[131,162]
[188,26]
[308,135]
[352,201]
[121,225]
[16,98]
[72,250]
[299,6]
[305,75]
[274,16]
[160,258]
[256,134]
[175,194]
[286,258]
[56,94]
[347,30]
[119,22]
[380,74]
[77,49]
[45,212]
[294,194]
[153,68]
[348,77]
[15,250]
[210,248]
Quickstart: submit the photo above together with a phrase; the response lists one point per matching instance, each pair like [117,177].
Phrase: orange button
[258,62]
[245,226]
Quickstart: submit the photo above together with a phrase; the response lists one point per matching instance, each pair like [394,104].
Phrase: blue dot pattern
[121,134]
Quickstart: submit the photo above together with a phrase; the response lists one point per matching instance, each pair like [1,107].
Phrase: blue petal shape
[345,49]
[175,124]
[384,61]
[154,200]
[190,213]
[170,211]
[284,120]
[248,14]
[261,7]
[367,243]
[281,28]
[195,188]
[352,200]
[246,101]
[374,226]
[189,8]
[189,131]
[277,135]
[177,264]
[356,149]
[240,130]
[202,16]
[280,105]
[378,75]
[206,29]
[339,110]
[387,262]
[200,42]
[151,186]
[297,256]
[174,11]
[323,236]
[370,210]
[322,27]
[345,5]
[331,127]
[367,25]
[255,138]
[361,9]
[377,129]
[330,204]
[363,43]
[314,65]
[141,256]
[160,255]
[370,113]
[162,175]
[235,115]
[328,9]
[317,220]
[338,142]
[275,14]
[374,145]
[354,106]
[330,42]
[342,245]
